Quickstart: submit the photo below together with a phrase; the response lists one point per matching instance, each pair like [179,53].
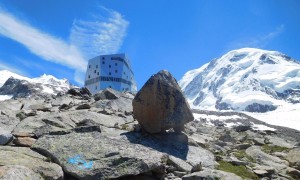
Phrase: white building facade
[110,71]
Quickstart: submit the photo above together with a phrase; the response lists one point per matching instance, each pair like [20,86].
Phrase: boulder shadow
[171,143]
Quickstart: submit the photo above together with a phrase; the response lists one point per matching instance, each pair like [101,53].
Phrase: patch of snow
[287,116]
[5,97]
[261,127]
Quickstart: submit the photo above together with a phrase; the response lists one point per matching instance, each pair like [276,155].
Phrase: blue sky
[58,37]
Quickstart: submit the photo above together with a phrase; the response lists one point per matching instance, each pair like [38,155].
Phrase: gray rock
[47,122]
[265,159]
[179,164]
[259,141]
[261,172]
[211,175]
[294,157]
[107,94]
[95,156]
[83,106]
[16,172]
[160,104]
[293,172]
[5,136]
[8,123]
[23,156]
[280,142]
[198,155]
[242,146]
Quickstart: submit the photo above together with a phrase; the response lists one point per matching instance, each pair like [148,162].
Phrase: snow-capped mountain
[246,79]
[14,85]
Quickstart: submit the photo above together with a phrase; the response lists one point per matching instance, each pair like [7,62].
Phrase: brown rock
[24,141]
[160,104]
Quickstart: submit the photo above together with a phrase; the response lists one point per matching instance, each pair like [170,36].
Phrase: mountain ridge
[246,79]
[15,85]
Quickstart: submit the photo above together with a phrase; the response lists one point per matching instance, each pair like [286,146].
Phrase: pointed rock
[160,104]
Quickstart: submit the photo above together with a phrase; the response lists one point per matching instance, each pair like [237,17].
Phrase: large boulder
[22,156]
[160,104]
[95,156]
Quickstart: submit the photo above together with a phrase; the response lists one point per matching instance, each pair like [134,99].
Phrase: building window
[124,72]
[116,64]
[89,76]
[98,73]
[109,66]
[109,73]
[95,87]
[103,58]
[89,66]
[109,86]
[103,62]
[96,66]
[95,71]
[116,71]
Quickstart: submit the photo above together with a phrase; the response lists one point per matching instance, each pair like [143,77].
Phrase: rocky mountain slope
[14,85]
[79,136]
[247,79]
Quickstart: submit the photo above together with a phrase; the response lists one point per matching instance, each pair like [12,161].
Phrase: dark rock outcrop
[160,104]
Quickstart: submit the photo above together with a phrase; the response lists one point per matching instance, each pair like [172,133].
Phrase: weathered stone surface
[294,157]
[261,172]
[83,106]
[47,122]
[25,157]
[8,123]
[265,159]
[179,164]
[160,104]
[107,94]
[198,155]
[16,172]
[211,174]
[24,141]
[5,136]
[81,92]
[293,172]
[95,156]
[280,142]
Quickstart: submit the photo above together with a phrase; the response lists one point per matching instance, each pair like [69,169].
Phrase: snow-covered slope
[5,74]
[46,84]
[247,79]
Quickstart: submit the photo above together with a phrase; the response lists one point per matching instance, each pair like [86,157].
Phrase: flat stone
[211,174]
[294,157]
[179,164]
[83,106]
[95,156]
[261,172]
[23,156]
[15,172]
[24,141]
[265,159]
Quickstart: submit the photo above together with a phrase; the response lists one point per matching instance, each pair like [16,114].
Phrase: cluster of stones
[113,135]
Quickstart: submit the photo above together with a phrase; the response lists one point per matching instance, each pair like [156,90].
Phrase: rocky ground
[80,136]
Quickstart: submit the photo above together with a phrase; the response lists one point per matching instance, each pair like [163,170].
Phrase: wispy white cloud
[40,43]
[99,34]
[102,33]
[258,41]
